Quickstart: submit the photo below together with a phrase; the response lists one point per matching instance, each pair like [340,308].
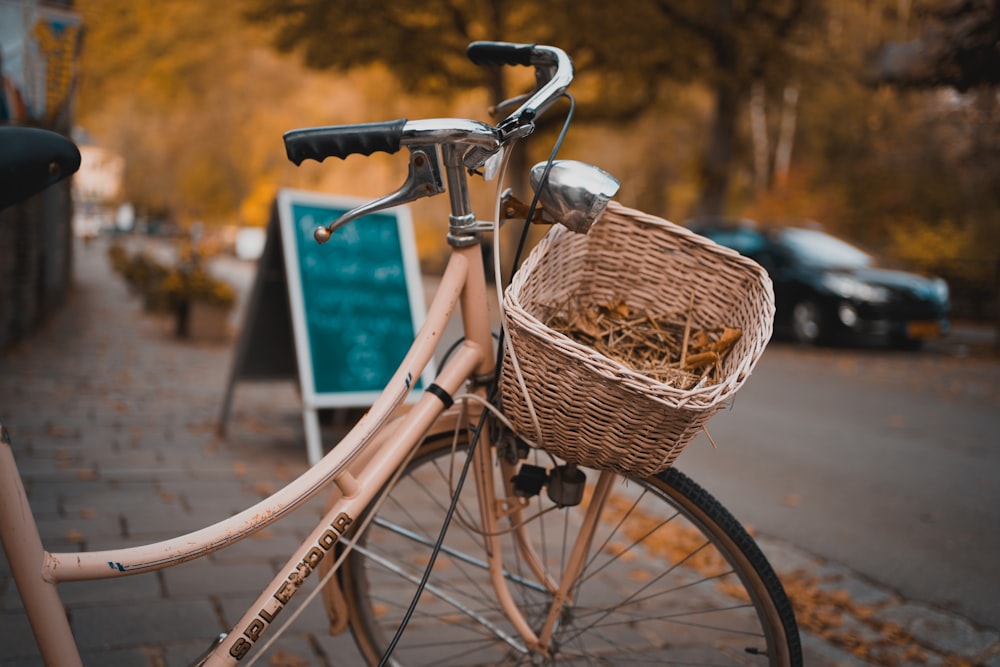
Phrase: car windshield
[820,249]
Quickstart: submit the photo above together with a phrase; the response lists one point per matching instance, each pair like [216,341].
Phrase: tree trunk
[719,154]
[786,136]
[727,90]
[758,136]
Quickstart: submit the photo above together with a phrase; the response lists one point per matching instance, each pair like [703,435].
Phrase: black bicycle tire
[716,513]
[701,507]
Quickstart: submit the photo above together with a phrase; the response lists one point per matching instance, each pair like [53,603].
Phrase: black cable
[454,346]
[501,348]
[545,175]
[440,540]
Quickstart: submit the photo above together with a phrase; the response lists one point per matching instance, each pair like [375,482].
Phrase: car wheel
[807,323]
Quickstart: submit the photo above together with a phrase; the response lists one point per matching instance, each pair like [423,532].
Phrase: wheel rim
[674,603]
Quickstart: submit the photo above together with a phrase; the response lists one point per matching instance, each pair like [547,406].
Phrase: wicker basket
[593,410]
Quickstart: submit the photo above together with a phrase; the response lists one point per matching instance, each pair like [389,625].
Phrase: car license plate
[931,329]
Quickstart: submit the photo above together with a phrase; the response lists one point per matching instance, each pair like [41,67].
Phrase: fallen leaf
[282,658]
[792,500]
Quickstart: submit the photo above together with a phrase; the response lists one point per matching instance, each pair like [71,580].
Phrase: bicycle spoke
[482,620]
[454,553]
[654,589]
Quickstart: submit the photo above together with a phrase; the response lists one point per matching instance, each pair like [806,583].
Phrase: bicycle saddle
[31,160]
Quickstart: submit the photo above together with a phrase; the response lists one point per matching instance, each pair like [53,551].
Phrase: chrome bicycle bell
[575,193]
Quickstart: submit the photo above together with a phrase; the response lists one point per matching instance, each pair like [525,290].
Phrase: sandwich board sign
[355,302]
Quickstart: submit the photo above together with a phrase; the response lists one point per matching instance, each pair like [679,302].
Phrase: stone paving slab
[847,620]
[113,424]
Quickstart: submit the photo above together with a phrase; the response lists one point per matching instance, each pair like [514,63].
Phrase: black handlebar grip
[319,143]
[500,53]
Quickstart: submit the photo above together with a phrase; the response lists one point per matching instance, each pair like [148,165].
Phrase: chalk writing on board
[355,295]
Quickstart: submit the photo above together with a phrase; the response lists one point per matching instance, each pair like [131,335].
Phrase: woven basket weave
[593,410]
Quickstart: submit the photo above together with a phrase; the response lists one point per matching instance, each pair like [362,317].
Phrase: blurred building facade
[39,55]
[97,191]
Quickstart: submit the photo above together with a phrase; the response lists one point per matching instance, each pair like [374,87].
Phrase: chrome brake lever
[424,180]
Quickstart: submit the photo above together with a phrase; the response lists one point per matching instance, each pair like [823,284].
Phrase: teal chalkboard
[356,301]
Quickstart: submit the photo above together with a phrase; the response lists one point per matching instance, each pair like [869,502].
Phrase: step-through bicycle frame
[361,464]
[352,466]
[357,467]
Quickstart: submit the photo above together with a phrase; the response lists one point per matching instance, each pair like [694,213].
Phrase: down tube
[393,450]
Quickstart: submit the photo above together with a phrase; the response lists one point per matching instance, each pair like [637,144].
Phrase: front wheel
[671,577]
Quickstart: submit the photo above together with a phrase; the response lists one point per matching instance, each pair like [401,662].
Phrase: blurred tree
[196,102]
[958,46]
[169,101]
[908,164]
[423,43]
[745,44]
[624,57]
[692,92]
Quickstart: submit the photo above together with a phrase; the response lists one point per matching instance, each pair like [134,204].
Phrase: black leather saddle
[31,160]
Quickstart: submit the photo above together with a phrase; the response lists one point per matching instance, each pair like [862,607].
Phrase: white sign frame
[314,399]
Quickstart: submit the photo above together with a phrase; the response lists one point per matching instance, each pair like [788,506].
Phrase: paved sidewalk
[113,425]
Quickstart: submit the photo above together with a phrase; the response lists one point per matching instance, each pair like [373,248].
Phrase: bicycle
[649,568]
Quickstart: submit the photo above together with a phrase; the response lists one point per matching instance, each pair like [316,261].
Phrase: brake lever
[424,180]
[503,109]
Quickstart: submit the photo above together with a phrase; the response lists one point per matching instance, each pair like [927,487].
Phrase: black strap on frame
[438,391]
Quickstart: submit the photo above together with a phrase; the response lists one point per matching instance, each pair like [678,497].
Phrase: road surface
[885,462]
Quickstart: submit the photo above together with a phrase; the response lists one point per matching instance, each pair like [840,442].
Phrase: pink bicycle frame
[357,474]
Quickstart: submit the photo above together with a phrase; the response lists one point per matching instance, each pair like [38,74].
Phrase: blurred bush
[171,289]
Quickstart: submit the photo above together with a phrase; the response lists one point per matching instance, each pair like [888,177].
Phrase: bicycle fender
[319,143]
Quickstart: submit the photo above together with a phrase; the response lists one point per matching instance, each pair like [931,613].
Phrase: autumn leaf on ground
[621,551]
[639,575]
[61,431]
[64,459]
[282,658]
[896,421]
[792,500]
[264,489]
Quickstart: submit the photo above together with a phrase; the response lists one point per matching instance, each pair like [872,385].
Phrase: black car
[827,289]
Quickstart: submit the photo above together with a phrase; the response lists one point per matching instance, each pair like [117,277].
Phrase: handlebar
[553,73]
[319,143]
[464,143]
[500,53]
